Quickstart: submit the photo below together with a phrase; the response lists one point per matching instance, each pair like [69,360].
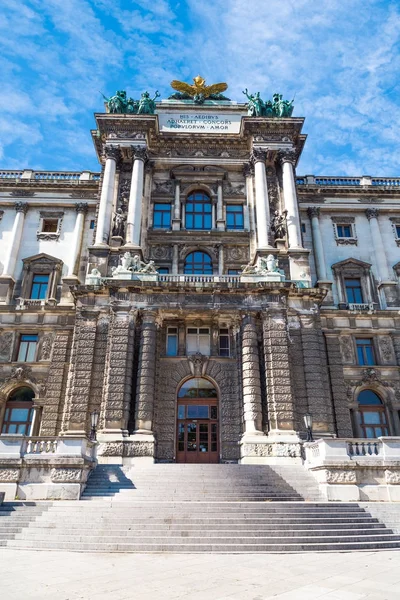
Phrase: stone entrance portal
[197,422]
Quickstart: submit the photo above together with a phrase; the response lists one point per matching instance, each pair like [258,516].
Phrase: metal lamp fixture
[308,421]
[94,418]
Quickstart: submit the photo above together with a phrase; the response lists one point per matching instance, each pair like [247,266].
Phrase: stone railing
[50,176]
[354,469]
[20,446]
[362,307]
[200,278]
[348,181]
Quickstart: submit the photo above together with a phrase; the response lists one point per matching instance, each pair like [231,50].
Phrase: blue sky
[340,57]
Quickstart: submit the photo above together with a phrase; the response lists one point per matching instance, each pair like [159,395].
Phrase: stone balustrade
[50,176]
[348,181]
[45,468]
[353,469]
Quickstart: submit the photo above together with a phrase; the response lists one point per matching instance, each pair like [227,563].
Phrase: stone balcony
[354,469]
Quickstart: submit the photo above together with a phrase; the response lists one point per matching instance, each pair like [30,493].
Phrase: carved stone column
[220,208]
[73,267]
[117,388]
[220,259]
[175,259]
[35,423]
[262,202]
[316,374]
[112,155]
[320,265]
[288,161]
[251,378]
[76,414]
[382,267]
[176,221]
[13,245]
[146,374]
[56,383]
[338,386]
[134,217]
[280,397]
[248,172]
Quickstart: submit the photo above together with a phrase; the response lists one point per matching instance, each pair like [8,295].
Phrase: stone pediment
[351,262]
[41,258]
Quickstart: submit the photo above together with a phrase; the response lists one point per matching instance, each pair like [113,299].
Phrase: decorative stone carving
[372,213]
[81,207]
[392,477]
[264,267]
[6,340]
[9,475]
[234,189]
[21,207]
[46,346]
[313,211]
[112,152]
[163,187]
[248,169]
[139,153]
[198,364]
[371,375]
[236,253]
[258,155]
[138,449]
[347,348]
[386,349]
[66,475]
[22,194]
[279,225]
[336,476]
[21,373]
[83,194]
[289,156]
[280,449]
[132,264]
[119,220]
[160,252]
[110,449]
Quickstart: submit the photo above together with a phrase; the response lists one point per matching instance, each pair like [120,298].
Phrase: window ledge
[48,237]
[346,241]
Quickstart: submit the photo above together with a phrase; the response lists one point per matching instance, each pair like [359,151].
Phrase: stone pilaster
[280,397]
[73,267]
[296,359]
[315,370]
[56,384]
[338,386]
[251,377]
[146,374]
[396,346]
[99,367]
[117,389]
[76,416]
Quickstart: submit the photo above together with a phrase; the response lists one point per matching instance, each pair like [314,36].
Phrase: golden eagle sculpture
[199,91]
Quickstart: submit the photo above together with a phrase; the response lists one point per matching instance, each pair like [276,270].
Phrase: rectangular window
[234,271]
[365,351]
[27,348]
[40,283]
[397,231]
[91,226]
[224,342]
[162,216]
[172,341]
[49,225]
[234,216]
[163,270]
[303,228]
[198,340]
[344,231]
[354,291]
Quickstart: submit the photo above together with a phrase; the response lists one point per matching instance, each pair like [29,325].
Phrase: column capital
[139,153]
[81,207]
[313,211]
[177,183]
[112,152]
[258,155]
[372,213]
[288,156]
[21,207]
[248,169]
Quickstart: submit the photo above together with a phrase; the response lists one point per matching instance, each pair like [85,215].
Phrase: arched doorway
[197,422]
[18,413]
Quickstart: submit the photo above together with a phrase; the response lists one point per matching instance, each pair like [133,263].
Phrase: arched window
[198,211]
[198,263]
[19,411]
[372,415]
[197,387]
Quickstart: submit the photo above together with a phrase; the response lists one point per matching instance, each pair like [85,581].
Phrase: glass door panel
[191,445]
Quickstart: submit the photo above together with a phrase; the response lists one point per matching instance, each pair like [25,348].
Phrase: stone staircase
[195,508]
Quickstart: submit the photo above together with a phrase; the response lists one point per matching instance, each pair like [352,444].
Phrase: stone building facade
[197,294]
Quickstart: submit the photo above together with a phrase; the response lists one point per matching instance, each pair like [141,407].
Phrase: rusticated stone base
[262,450]
[130,450]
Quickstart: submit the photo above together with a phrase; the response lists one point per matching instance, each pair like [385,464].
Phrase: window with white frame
[172,341]
[49,225]
[355,286]
[28,344]
[344,229]
[198,340]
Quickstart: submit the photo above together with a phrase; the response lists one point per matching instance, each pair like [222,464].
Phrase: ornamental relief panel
[386,350]
[163,187]
[347,349]
[160,252]
[6,345]
[237,253]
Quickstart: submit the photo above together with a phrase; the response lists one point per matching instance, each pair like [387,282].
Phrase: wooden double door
[197,431]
